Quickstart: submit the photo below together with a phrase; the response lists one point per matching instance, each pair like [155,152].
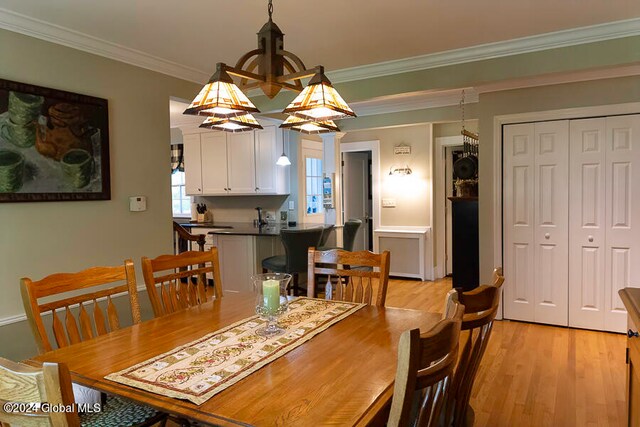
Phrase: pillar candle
[271,294]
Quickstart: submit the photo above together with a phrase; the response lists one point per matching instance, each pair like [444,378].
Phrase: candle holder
[271,300]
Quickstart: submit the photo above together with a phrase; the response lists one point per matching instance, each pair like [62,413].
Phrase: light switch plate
[292,205]
[388,203]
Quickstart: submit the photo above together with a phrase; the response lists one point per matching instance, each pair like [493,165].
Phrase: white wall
[38,239]
[412,193]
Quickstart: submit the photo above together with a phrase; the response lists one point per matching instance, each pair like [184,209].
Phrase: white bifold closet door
[535,215]
[604,232]
[571,217]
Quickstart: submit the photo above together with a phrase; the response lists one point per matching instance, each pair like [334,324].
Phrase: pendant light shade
[221,98]
[232,124]
[283,160]
[309,126]
[319,101]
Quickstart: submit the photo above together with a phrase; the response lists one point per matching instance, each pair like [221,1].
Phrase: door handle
[547,236]
[632,334]
[590,238]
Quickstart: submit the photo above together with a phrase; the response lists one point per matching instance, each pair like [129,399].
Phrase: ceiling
[335,33]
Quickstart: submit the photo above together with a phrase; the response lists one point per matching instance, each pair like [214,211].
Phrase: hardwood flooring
[537,375]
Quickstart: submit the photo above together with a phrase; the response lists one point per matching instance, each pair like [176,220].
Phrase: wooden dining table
[343,376]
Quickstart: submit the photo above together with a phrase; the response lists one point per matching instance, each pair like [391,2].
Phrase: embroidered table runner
[206,366]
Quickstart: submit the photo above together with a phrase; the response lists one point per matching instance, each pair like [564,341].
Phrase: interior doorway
[357,195]
[452,153]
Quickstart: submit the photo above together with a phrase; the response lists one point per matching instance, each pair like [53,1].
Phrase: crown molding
[557,39]
[414,101]
[43,30]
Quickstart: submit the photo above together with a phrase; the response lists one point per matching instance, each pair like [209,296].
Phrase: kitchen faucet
[261,221]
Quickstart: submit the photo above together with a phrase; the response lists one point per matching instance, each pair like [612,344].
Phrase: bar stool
[296,243]
[349,231]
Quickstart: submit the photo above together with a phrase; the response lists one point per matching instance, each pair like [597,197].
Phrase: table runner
[198,370]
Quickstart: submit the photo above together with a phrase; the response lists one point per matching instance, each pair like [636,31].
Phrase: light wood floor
[536,375]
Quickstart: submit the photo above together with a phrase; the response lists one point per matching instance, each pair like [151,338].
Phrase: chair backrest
[182,280]
[481,305]
[183,237]
[349,231]
[80,326]
[326,232]
[51,383]
[296,243]
[345,281]
[425,364]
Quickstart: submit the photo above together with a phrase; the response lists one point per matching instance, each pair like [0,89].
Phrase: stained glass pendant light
[309,126]
[319,101]
[232,124]
[221,98]
[271,68]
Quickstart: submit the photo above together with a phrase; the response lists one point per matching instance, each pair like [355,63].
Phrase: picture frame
[54,145]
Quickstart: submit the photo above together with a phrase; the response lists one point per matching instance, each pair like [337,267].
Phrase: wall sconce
[402,150]
[400,171]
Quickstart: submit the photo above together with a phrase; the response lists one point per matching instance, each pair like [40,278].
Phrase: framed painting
[54,145]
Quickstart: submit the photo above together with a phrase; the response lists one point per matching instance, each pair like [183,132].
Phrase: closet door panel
[622,259]
[551,222]
[518,206]
[587,223]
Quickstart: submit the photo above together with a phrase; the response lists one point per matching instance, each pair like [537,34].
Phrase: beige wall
[412,193]
[37,239]
[582,94]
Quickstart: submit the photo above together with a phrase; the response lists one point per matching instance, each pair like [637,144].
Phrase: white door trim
[535,116]
[439,194]
[374,147]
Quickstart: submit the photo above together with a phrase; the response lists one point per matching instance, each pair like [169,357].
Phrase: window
[313,193]
[181,203]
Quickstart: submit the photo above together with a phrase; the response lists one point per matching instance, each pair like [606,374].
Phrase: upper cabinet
[220,163]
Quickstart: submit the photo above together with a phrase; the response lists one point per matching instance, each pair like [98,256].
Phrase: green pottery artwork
[11,171]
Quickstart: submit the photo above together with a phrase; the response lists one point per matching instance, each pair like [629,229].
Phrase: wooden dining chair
[51,383]
[344,281]
[425,366]
[175,282]
[78,324]
[481,305]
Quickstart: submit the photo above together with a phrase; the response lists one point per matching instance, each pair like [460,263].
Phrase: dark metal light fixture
[270,68]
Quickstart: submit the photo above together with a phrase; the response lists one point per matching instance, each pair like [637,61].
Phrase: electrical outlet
[388,203]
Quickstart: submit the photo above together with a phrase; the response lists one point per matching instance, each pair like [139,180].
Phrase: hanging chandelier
[270,68]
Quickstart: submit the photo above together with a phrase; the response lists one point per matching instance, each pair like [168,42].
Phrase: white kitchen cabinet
[213,149]
[270,178]
[192,162]
[240,163]
[220,163]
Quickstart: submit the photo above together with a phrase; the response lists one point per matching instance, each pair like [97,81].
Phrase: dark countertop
[244,228]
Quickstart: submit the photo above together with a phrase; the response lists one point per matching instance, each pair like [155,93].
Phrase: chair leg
[295,285]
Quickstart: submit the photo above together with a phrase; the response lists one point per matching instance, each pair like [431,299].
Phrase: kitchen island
[241,247]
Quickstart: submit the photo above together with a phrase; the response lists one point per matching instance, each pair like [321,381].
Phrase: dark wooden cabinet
[465,242]
[631,299]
